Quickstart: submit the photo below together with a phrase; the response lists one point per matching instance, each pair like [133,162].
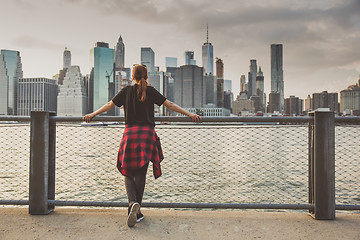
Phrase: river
[203,163]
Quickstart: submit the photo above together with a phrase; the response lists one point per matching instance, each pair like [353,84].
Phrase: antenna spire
[207,33]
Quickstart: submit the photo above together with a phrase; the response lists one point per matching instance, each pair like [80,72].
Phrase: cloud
[26,41]
[24,4]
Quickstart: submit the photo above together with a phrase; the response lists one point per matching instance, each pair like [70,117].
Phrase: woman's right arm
[173,107]
[108,106]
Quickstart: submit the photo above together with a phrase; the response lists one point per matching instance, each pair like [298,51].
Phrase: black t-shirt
[136,112]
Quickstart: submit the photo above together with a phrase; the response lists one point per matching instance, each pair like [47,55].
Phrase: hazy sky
[321,38]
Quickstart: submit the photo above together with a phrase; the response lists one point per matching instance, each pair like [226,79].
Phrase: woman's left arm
[108,106]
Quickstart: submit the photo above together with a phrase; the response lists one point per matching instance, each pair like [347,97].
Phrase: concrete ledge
[74,223]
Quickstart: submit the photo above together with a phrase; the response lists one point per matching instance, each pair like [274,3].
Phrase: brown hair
[140,75]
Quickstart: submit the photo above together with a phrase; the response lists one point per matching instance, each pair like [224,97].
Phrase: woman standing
[139,144]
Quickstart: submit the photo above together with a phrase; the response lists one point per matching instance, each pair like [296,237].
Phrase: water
[219,164]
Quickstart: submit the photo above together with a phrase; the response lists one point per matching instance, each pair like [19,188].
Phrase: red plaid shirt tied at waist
[138,146]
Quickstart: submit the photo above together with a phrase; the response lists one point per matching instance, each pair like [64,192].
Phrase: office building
[36,94]
[228,99]
[244,106]
[209,111]
[292,106]
[101,80]
[72,98]
[10,73]
[350,99]
[169,87]
[189,58]
[274,102]
[308,104]
[326,100]
[277,73]
[148,58]
[189,86]
[252,78]
[208,55]
[220,82]
[171,62]
[210,89]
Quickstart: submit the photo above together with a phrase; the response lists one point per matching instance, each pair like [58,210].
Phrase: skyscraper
[102,58]
[260,87]
[277,81]
[208,55]
[119,56]
[148,58]
[66,59]
[189,86]
[252,78]
[189,58]
[220,82]
[10,73]
[210,89]
[243,85]
[171,65]
[274,102]
[292,106]
[72,98]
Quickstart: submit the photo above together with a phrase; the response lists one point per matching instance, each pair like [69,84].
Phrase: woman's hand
[88,117]
[194,117]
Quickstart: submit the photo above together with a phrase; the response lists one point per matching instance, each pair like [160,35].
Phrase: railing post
[324,165]
[52,158]
[39,163]
[311,161]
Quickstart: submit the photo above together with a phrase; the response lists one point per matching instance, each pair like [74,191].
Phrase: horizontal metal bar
[185,205]
[14,118]
[347,207]
[186,119]
[14,202]
[88,203]
[351,119]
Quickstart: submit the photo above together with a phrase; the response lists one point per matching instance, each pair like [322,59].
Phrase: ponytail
[140,75]
[141,91]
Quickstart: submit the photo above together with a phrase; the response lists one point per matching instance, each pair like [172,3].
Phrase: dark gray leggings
[135,185]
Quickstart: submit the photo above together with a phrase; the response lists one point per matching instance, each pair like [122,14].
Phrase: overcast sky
[321,38]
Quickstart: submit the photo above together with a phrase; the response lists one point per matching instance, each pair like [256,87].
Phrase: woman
[139,144]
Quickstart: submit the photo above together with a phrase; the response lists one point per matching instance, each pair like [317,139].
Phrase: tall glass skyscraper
[208,56]
[252,78]
[10,73]
[277,80]
[102,58]
[148,58]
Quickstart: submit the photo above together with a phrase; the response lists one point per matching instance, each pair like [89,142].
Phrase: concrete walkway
[72,223]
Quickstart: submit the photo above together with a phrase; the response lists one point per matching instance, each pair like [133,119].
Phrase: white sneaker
[132,217]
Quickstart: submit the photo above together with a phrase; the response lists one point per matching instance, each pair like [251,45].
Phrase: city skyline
[320,40]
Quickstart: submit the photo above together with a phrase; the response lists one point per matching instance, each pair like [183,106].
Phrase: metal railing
[223,162]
